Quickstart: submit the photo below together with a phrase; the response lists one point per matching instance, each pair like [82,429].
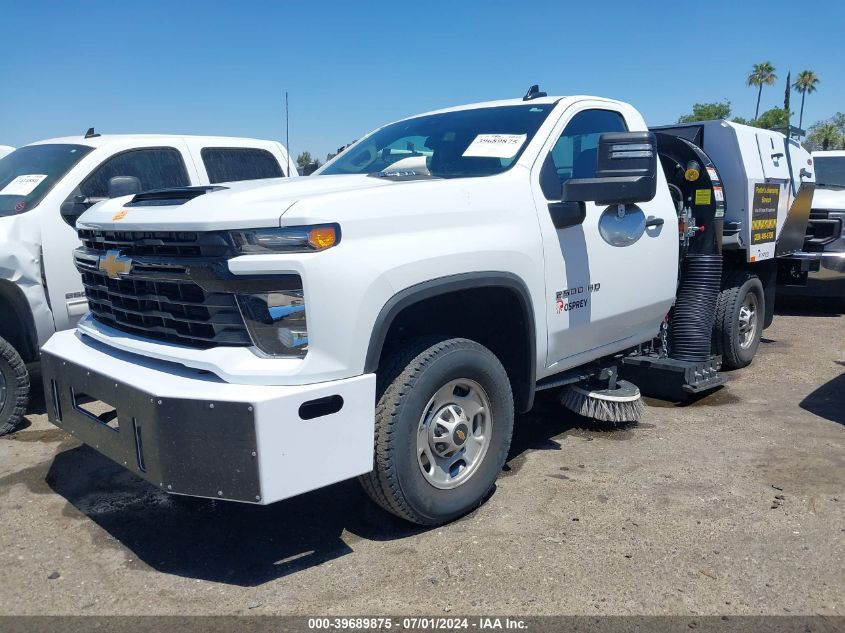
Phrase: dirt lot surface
[734,504]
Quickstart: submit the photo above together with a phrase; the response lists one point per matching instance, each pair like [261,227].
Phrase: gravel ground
[733,504]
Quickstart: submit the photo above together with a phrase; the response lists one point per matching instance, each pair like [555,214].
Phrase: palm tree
[761,74]
[806,82]
[825,134]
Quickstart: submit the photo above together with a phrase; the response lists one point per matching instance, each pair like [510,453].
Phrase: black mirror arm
[565,214]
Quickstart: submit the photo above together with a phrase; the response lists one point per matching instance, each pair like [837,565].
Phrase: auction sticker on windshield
[22,185]
[495,145]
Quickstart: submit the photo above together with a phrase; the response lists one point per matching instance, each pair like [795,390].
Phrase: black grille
[162,243]
[822,229]
[174,311]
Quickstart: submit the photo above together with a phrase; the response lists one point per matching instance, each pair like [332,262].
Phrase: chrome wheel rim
[454,433]
[748,320]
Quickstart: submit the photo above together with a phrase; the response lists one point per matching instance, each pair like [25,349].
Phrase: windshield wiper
[830,184]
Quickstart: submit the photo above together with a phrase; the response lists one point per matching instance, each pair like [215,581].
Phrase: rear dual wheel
[740,314]
[444,420]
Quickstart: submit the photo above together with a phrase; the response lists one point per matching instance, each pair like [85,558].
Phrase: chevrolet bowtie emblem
[114,264]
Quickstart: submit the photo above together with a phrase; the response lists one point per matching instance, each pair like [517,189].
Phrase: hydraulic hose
[691,328]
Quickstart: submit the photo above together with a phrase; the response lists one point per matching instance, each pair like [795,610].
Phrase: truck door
[156,167]
[610,275]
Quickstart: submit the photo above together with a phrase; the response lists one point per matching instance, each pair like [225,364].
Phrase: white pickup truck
[826,230]
[45,186]
[385,317]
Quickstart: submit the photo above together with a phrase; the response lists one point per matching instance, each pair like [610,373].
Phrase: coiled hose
[691,328]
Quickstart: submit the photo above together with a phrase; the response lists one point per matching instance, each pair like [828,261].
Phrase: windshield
[477,142]
[830,171]
[28,173]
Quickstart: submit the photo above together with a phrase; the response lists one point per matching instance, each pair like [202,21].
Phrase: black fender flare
[452,283]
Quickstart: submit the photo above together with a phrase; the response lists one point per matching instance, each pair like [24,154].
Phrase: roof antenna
[91,133]
[534,93]
[287,131]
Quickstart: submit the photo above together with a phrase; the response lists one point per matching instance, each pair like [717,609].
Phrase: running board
[672,379]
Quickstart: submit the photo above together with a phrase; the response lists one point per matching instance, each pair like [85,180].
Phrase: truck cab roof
[517,102]
[108,139]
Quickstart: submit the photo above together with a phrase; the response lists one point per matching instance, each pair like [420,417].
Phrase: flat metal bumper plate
[185,446]
[670,378]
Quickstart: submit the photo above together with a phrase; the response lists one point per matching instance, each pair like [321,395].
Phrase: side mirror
[310,168]
[626,171]
[124,186]
[72,208]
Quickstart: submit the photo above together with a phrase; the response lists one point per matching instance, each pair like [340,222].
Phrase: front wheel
[444,421]
[14,387]
[740,315]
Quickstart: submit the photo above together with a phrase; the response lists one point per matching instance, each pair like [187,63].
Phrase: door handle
[652,222]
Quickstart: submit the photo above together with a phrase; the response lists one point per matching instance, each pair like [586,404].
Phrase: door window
[230,164]
[155,167]
[574,153]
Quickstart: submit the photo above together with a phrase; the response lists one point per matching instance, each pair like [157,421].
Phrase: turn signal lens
[322,237]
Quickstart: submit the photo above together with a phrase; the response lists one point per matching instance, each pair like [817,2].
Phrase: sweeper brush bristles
[622,404]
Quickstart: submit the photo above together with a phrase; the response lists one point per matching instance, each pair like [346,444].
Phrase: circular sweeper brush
[622,404]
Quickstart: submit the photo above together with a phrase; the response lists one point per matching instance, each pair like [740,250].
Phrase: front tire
[14,387]
[740,314]
[444,420]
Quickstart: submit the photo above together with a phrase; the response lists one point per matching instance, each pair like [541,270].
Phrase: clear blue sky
[223,67]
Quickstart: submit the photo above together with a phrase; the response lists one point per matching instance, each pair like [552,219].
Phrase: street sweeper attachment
[604,397]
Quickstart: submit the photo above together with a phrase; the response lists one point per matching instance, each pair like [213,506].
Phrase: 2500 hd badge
[564,301]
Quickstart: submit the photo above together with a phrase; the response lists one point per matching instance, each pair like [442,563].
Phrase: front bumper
[188,432]
[827,281]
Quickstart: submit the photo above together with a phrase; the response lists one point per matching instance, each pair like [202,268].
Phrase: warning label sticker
[702,196]
[713,175]
[764,213]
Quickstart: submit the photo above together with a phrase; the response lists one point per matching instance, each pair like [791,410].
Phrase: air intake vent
[170,197]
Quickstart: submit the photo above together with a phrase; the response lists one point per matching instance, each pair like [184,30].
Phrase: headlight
[287,239]
[276,322]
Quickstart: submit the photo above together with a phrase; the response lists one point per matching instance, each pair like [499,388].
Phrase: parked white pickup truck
[46,186]
[826,230]
[386,316]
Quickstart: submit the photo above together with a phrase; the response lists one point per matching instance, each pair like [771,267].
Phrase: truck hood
[830,199]
[252,204]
